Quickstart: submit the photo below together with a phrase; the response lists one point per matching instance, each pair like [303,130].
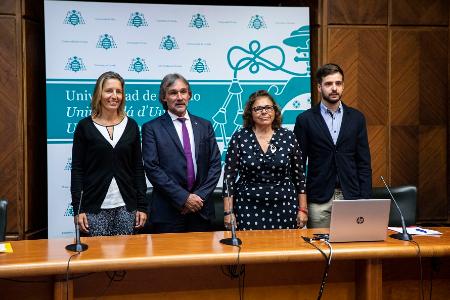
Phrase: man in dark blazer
[182,162]
[333,139]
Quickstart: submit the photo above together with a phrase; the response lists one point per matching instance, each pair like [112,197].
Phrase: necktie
[187,154]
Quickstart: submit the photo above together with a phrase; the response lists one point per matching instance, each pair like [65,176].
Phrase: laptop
[359,220]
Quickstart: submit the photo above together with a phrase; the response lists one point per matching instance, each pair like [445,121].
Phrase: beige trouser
[319,214]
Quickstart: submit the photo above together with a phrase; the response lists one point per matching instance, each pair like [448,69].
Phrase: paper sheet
[417,230]
[5,247]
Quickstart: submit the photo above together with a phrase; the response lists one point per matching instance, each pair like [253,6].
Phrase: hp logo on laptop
[360,220]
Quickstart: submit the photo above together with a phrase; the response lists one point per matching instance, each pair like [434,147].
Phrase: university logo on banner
[138,65]
[75,64]
[198,21]
[137,20]
[68,166]
[257,22]
[69,211]
[74,18]
[168,43]
[106,41]
[199,65]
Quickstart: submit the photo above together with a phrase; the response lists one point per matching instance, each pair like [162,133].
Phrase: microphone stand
[234,240]
[404,235]
[77,246]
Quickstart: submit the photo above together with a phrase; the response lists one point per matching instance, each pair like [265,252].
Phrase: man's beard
[332,101]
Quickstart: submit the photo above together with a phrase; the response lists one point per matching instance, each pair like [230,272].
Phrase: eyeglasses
[267,108]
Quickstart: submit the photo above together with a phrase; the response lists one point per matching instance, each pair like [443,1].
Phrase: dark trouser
[187,223]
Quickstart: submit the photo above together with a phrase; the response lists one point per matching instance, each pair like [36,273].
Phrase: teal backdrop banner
[226,53]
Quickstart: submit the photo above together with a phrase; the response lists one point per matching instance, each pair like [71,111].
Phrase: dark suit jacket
[165,167]
[349,158]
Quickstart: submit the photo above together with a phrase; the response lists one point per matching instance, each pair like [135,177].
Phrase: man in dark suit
[182,162]
[333,138]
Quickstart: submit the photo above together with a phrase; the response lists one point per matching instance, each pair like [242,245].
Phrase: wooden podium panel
[279,265]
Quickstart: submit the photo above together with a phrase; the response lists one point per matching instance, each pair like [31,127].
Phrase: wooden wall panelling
[419,96]
[8,7]
[432,201]
[419,12]
[433,204]
[379,152]
[433,77]
[10,138]
[448,118]
[372,75]
[35,124]
[323,32]
[405,72]
[357,12]
[21,180]
[404,155]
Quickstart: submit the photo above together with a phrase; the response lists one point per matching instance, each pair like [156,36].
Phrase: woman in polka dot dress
[264,179]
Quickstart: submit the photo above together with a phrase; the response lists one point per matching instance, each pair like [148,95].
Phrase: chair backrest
[3,214]
[406,197]
[217,199]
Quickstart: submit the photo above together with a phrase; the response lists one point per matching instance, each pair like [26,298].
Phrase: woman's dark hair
[247,115]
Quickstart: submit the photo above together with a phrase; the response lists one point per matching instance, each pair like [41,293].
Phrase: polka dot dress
[265,186]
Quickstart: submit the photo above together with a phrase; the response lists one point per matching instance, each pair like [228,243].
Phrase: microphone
[77,246]
[404,235]
[234,240]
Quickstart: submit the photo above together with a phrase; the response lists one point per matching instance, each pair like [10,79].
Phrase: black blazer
[95,162]
[349,158]
[165,166]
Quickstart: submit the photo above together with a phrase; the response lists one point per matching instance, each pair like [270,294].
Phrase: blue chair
[406,197]
[3,215]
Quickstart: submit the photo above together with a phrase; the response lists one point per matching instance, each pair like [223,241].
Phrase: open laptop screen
[359,220]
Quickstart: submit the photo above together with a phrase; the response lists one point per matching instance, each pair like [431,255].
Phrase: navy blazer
[349,158]
[165,167]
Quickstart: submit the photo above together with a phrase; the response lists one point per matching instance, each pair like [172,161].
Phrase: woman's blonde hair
[96,105]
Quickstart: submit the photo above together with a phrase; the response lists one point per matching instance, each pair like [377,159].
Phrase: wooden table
[279,265]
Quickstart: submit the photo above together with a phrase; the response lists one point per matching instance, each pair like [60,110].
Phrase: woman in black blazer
[108,183]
